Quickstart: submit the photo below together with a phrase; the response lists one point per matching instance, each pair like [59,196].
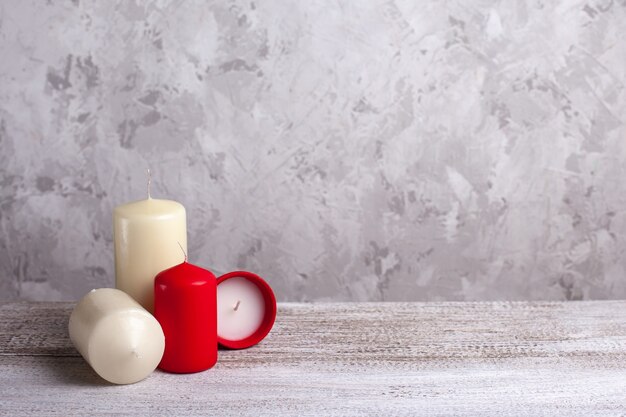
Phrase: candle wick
[237,305]
[149,183]
[181,248]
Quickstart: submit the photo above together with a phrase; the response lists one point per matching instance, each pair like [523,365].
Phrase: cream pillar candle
[147,234]
[121,341]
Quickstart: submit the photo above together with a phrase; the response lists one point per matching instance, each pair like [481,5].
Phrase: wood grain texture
[519,358]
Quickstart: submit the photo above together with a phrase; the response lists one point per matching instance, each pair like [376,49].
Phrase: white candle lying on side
[147,235]
[240,308]
[121,341]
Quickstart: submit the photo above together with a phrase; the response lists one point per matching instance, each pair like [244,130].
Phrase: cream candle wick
[237,305]
[149,183]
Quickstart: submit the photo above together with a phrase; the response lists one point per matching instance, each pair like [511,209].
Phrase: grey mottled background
[356,150]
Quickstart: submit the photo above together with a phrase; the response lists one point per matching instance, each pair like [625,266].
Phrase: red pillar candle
[185,306]
[246,309]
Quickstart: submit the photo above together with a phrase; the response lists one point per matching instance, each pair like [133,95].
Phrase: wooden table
[384,359]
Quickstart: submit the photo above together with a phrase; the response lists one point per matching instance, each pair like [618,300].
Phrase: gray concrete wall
[356,150]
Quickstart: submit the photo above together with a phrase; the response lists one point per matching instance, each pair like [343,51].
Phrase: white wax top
[246,319]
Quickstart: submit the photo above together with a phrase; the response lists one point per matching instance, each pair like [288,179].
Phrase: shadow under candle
[73,371]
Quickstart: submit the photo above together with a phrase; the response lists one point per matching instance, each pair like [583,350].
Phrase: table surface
[487,358]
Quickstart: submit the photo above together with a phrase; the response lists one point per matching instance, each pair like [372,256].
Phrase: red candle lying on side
[185,305]
[246,309]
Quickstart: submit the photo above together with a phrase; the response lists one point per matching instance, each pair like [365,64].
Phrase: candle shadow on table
[75,371]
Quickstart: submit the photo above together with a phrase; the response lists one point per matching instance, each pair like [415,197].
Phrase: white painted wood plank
[510,386]
[522,358]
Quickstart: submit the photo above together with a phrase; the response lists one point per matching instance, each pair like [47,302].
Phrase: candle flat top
[151,207]
[185,275]
[240,307]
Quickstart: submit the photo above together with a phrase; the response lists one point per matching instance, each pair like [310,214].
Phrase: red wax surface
[268,318]
[185,305]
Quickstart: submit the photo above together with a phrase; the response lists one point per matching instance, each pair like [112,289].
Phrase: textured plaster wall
[351,150]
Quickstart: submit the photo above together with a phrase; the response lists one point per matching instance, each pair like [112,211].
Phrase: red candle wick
[181,248]
[237,305]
